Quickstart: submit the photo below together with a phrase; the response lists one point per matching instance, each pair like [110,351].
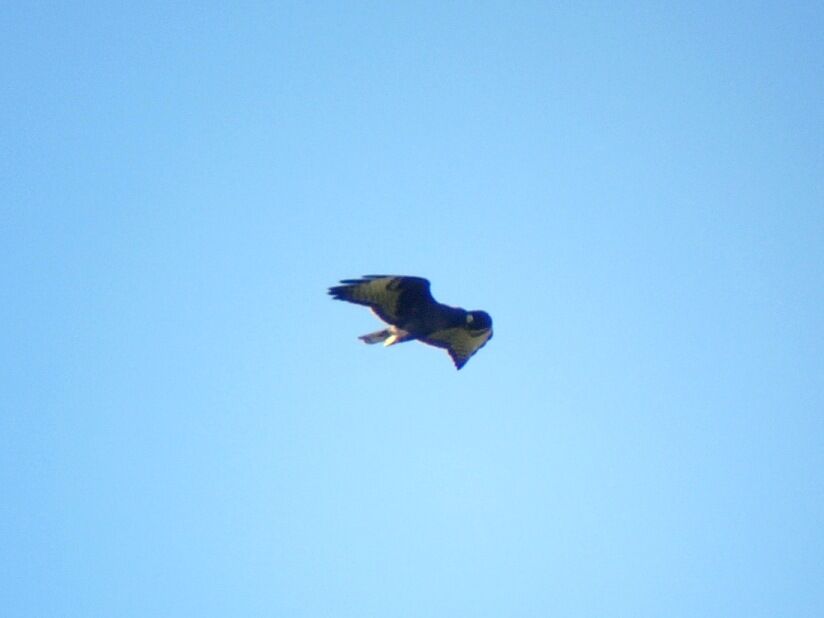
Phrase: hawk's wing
[393,299]
[460,341]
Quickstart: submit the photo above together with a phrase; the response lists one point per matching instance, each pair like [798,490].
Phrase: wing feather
[392,298]
[460,342]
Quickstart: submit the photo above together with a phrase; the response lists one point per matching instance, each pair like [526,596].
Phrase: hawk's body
[406,304]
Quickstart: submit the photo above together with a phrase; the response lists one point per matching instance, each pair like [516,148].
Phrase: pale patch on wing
[381,293]
[460,342]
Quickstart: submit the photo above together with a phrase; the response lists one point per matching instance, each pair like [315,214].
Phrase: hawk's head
[478,319]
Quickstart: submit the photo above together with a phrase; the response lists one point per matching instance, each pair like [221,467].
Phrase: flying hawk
[406,304]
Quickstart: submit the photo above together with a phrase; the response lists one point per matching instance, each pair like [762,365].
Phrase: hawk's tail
[388,336]
[376,337]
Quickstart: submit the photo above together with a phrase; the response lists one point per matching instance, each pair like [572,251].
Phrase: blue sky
[189,425]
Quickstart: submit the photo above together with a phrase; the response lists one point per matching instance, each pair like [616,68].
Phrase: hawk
[406,304]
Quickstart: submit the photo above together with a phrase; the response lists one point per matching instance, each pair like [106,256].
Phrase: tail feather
[376,337]
[388,336]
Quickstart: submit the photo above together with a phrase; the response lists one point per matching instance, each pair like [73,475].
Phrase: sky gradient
[189,424]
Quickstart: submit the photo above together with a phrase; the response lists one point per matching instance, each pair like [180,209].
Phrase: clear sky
[189,425]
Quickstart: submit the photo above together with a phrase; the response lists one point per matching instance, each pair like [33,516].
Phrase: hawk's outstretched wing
[393,299]
[461,341]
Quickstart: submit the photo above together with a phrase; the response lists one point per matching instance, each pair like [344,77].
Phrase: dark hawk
[406,304]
